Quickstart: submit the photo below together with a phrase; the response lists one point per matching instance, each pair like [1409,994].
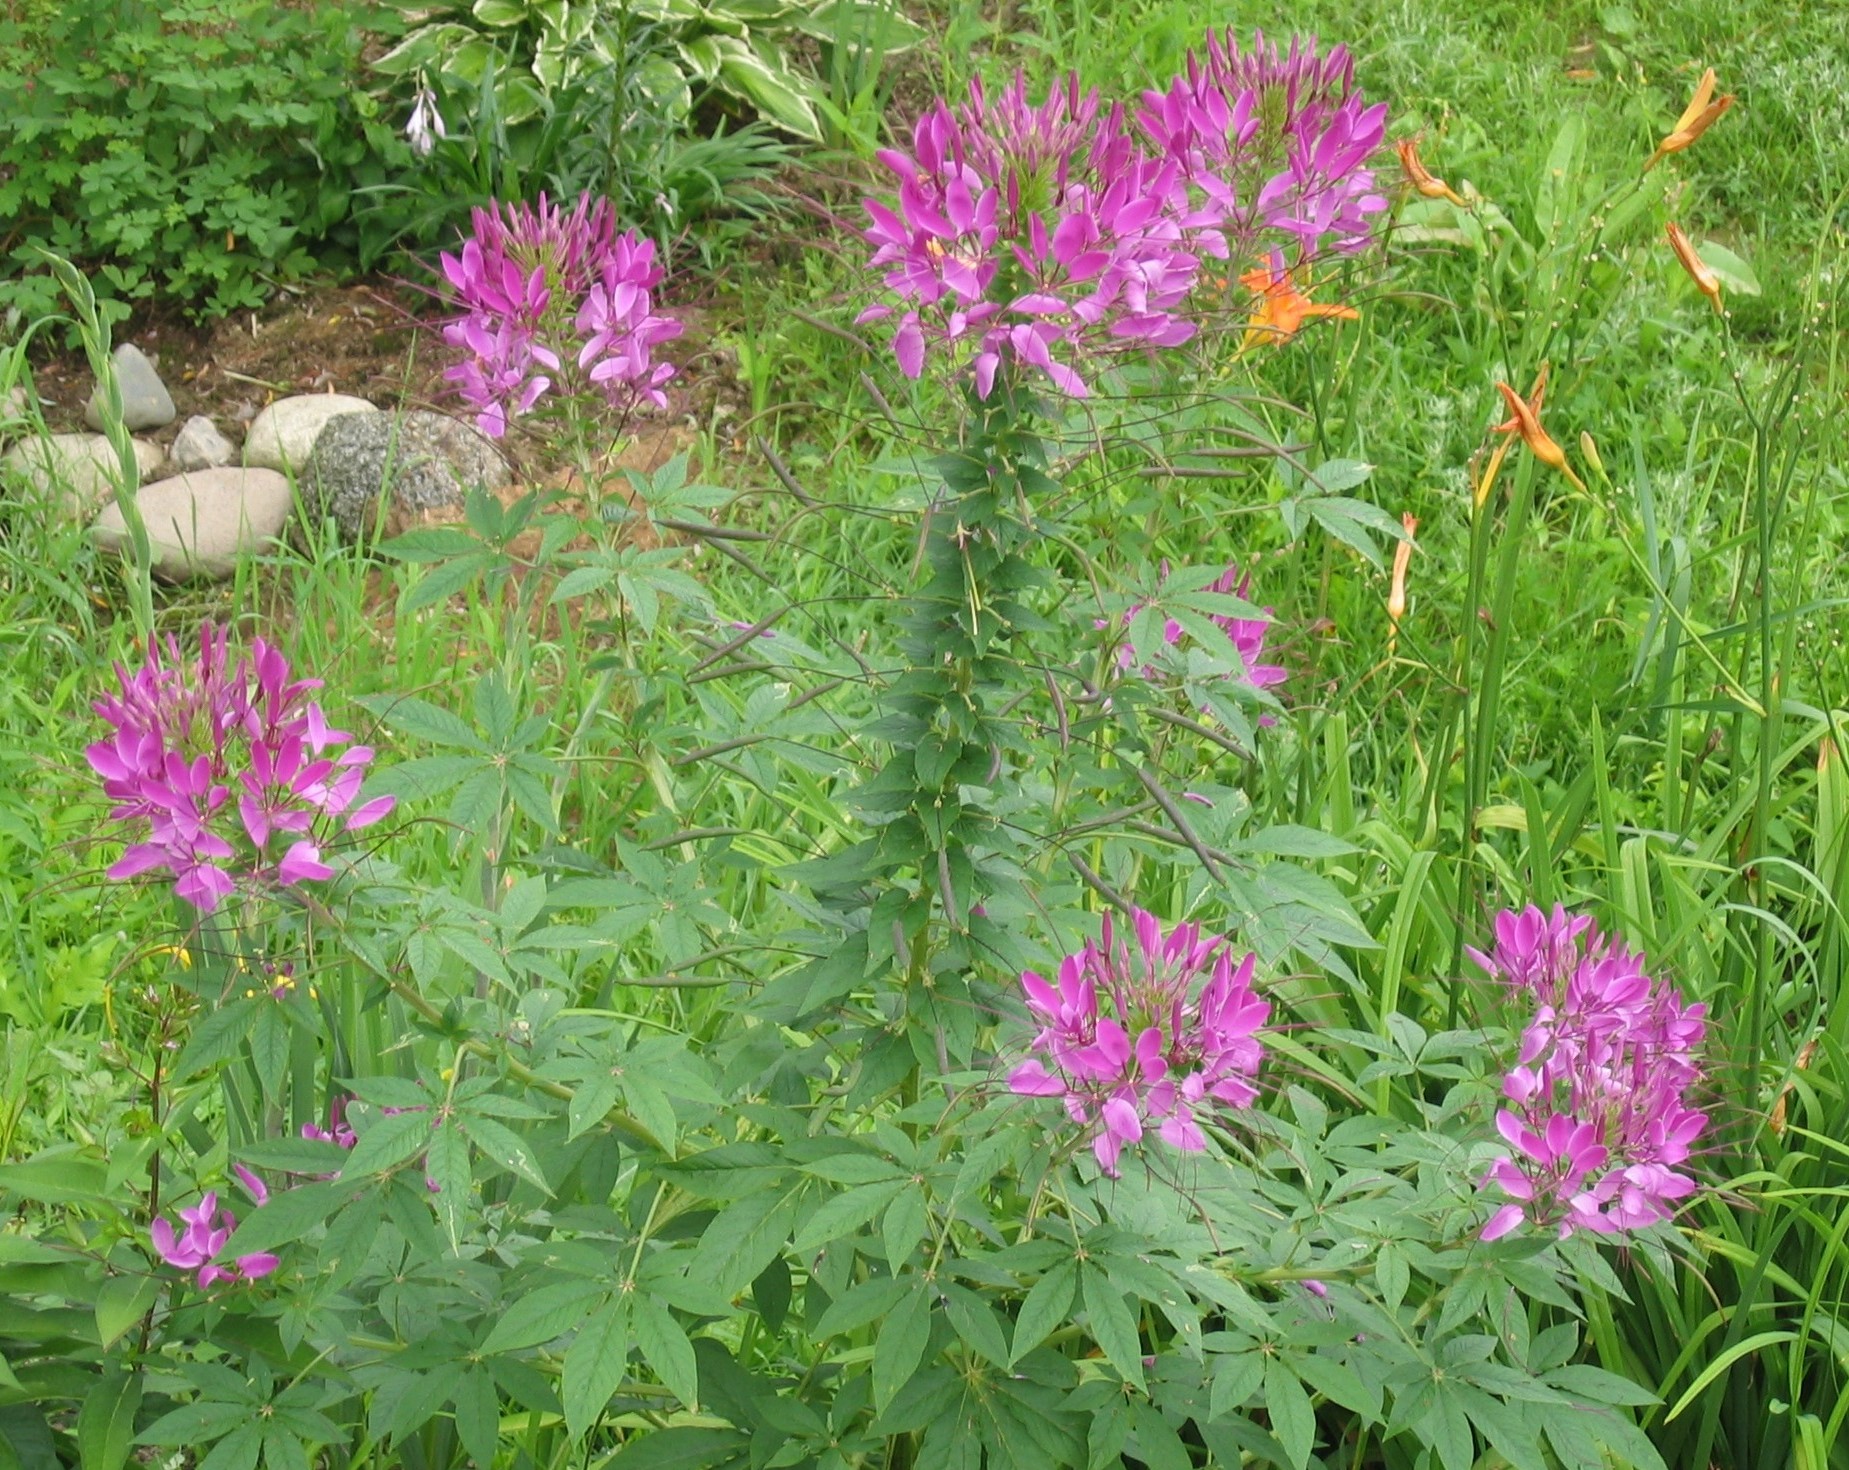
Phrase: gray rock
[430,463]
[199,525]
[283,435]
[146,403]
[76,468]
[200,446]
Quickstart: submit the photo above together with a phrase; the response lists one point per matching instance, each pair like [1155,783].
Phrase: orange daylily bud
[1282,309]
[1704,278]
[1420,177]
[1524,422]
[1396,594]
[1696,119]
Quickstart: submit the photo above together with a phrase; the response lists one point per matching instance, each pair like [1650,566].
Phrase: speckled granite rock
[199,525]
[429,462]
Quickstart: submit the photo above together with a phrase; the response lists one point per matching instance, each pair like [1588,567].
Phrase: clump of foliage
[198,149]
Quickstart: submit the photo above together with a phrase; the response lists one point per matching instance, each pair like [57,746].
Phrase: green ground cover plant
[1040,916]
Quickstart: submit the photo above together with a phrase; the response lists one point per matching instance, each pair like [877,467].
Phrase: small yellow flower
[1704,278]
[1696,119]
[179,951]
[1420,177]
[1282,308]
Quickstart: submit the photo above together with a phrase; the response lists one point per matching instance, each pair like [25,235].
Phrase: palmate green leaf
[899,1346]
[447,1166]
[238,1450]
[681,1447]
[1293,1420]
[907,1220]
[591,1103]
[744,1237]
[665,1347]
[388,1143]
[867,1302]
[1236,1377]
[424,777]
[1157,1444]
[1047,1304]
[976,1323]
[539,1316]
[290,1215]
[595,1364]
[504,1147]
[215,1039]
[405,714]
[845,1213]
[196,1423]
[1447,1425]
[443,582]
[1112,1323]
[477,1408]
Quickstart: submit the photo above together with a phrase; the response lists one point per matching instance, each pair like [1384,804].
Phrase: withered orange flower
[1420,177]
[1704,278]
[1524,419]
[1696,119]
[1282,308]
[1396,594]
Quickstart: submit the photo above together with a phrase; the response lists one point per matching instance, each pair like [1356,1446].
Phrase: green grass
[1624,699]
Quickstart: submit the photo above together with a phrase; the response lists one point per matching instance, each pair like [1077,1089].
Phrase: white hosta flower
[426,124]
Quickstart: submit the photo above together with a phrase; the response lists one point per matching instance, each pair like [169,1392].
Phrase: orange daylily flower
[1488,483]
[1396,594]
[1525,420]
[1420,177]
[1704,278]
[1282,308]
[1696,119]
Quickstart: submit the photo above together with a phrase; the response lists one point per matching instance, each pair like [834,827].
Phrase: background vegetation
[1625,698]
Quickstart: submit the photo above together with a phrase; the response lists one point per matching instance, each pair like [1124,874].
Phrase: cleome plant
[891,1030]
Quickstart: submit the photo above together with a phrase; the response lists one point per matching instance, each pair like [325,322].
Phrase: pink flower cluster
[1246,635]
[1273,140]
[1031,234]
[1131,1041]
[554,300]
[1599,1121]
[232,768]
[1043,235]
[198,1247]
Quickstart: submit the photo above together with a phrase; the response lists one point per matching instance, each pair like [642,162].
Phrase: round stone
[201,524]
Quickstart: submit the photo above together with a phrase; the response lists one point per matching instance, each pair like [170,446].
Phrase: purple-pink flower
[1031,234]
[1272,141]
[234,771]
[1150,1038]
[1599,1118]
[554,300]
[198,1245]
